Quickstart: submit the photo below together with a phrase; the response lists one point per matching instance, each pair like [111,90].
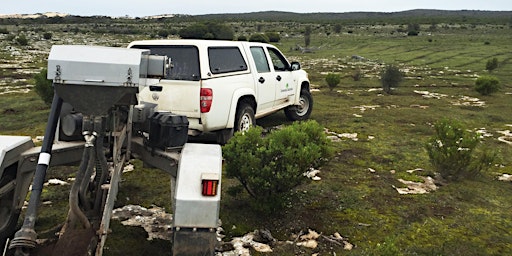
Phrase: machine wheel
[244,118]
[303,110]
[8,215]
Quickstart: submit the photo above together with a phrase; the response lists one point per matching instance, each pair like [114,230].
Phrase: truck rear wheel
[8,215]
[303,110]
[244,118]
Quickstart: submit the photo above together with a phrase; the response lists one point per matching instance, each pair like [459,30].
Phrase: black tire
[244,118]
[8,215]
[303,110]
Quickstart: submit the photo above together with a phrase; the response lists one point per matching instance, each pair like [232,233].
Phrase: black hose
[84,183]
[101,172]
[74,209]
[25,235]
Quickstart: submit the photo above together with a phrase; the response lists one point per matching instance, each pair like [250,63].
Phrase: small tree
[269,167]
[44,87]
[390,78]
[487,85]
[332,80]
[451,151]
[307,36]
[413,29]
[337,28]
[491,64]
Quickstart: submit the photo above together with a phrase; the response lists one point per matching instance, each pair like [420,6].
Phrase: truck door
[264,79]
[281,76]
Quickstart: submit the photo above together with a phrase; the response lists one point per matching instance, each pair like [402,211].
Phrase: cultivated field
[378,138]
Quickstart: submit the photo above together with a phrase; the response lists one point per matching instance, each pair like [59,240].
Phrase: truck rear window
[185,60]
[225,60]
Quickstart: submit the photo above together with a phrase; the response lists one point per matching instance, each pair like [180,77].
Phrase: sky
[141,8]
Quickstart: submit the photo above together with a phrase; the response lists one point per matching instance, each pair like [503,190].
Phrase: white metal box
[97,65]
[191,208]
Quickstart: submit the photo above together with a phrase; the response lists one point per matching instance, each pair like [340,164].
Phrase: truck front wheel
[244,118]
[303,110]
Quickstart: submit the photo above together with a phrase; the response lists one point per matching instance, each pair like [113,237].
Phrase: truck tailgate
[177,96]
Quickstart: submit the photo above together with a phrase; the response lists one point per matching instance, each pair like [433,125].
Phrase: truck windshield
[185,60]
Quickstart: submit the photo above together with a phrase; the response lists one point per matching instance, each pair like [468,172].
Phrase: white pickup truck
[223,86]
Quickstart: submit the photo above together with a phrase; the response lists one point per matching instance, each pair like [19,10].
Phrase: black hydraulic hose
[86,179]
[101,172]
[74,208]
[27,233]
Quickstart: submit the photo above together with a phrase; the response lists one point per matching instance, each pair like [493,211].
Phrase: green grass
[470,217]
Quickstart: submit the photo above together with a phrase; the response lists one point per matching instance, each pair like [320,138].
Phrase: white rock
[308,244]
[310,236]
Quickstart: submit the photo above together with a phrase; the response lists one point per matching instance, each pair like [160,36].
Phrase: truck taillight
[210,183]
[205,100]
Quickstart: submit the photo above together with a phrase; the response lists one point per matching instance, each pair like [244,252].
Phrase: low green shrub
[487,85]
[47,35]
[261,38]
[273,37]
[492,64]
[269,167]
[44,87]
[332,80]
[452,151]
[22,40]
[390,78]
[357,74]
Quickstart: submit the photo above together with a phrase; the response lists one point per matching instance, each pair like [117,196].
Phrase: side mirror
[295,65]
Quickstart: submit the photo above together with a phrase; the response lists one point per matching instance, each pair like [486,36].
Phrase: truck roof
[196,42]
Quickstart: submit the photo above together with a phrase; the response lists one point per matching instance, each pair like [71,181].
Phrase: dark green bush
[451,151]
[22,40]
[209,30]
[357,75]
[44,87]
[487,85]
[273,37]
[332,80]
[269,167]
[47,35]
[262,38]
[390,78]
[163,33]
[491,64]
[194,31]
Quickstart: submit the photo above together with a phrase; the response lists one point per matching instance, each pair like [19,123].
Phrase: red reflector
[210,187]
[205,100]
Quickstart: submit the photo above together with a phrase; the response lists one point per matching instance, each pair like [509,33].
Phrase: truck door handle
[261,80]
[278,78]
[155,88]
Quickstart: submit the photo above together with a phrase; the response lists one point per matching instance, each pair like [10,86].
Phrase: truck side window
[225,60]
[258,54]
[185,60]
[278,60]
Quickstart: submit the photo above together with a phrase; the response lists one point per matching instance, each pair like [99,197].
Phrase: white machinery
[96,121]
